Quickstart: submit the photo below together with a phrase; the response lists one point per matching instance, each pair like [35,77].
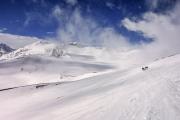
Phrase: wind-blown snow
[44,62]
[121,95]
[79,85]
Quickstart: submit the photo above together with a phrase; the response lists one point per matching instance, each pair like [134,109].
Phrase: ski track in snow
[122,95]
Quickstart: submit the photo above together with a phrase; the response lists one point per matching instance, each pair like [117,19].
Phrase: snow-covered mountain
[45,80]
[45,48]
[131,94]
[38,48]
[51,61]
[16,41]
[58,62]
[4,49]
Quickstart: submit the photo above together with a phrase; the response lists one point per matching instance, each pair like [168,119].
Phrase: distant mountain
[38,48]
[49,48]
[4,49]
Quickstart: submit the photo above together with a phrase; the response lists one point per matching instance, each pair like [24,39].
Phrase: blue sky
[36,18]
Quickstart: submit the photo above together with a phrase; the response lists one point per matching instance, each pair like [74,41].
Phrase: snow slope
[17,41]
[131,94]
[44,62]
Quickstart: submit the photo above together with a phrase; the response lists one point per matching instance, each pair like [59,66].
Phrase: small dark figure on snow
[22,69]
[145,68]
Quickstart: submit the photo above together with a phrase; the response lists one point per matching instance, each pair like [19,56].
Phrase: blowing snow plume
[164,29]
[76,27]
[73,26]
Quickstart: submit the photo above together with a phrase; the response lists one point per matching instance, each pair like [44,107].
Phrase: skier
[144,68]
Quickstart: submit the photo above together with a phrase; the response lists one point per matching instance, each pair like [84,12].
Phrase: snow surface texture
[44,62]
[113,94]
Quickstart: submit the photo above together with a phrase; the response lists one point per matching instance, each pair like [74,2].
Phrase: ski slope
[46,62]
[130,94]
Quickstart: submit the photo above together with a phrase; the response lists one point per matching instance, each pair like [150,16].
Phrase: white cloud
[164,29]
[72,2]
[40,2]
[153,4]
[30,17]
[110,5]
[37,17]
[50,32]
[57,12]
[87,31]
[3,30]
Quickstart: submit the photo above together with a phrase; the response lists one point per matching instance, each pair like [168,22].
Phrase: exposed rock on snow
[4,49]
